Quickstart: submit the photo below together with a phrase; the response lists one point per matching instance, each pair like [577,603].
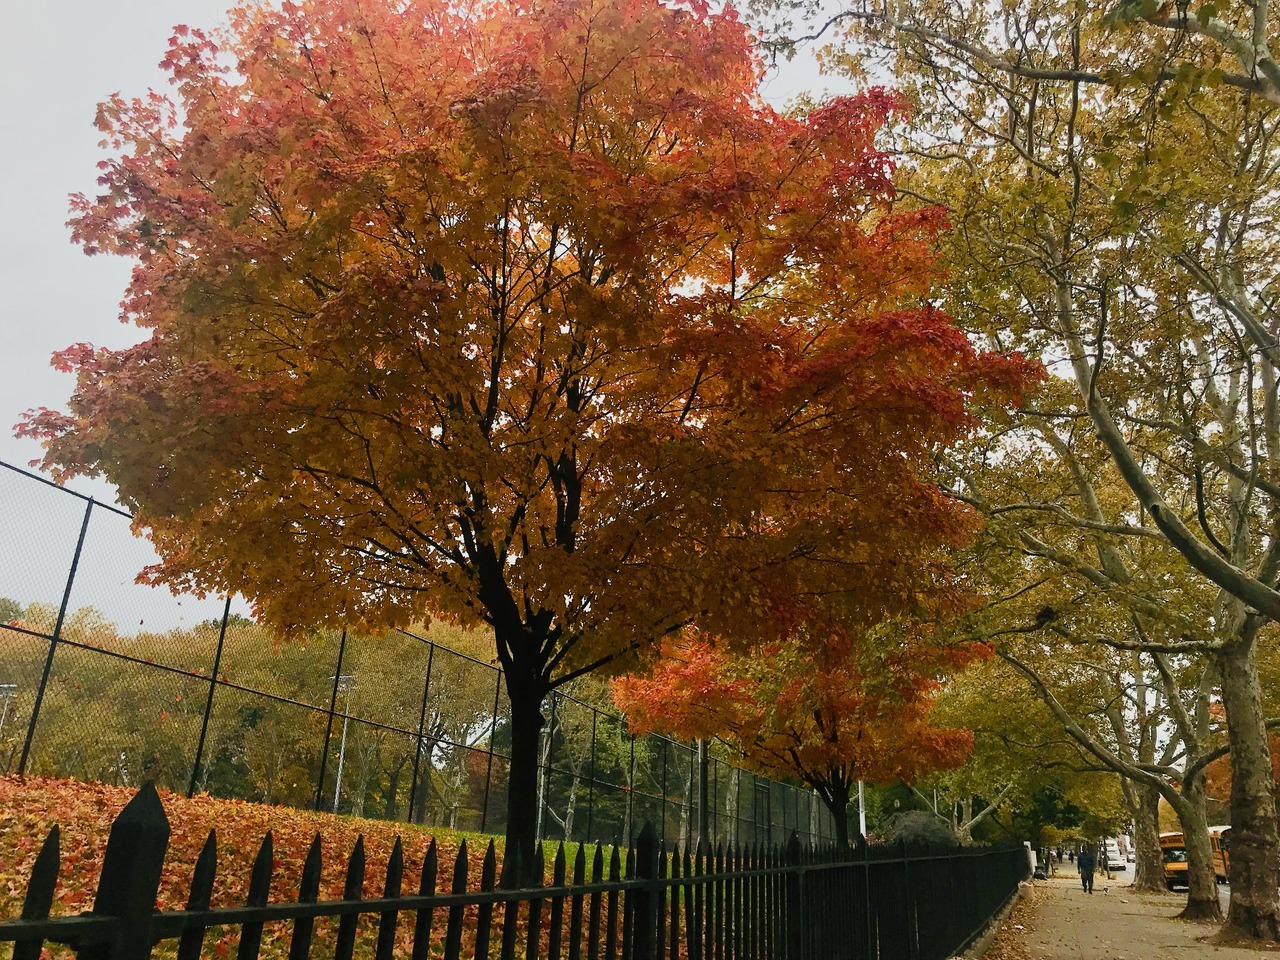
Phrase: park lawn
[30,806]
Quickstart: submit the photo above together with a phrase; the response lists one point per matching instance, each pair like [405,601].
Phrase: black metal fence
[731,903]
[103,679]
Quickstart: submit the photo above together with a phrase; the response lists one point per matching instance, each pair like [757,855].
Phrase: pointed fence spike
[40,888]
[489,867]
[130,877]
[309,884]
[44,877]
[354,886]
[595,911]
[539,874]
[308,892]
[576,902]
[385,948]
[640,919]
[611,906]
[484,913]
[453,929]
[512,868]
[395,871]
[352,891]
[201,894]
[259,891]
[539,864]
[555,934]
[426,888]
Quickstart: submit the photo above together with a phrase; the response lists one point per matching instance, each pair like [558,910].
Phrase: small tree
[828,714]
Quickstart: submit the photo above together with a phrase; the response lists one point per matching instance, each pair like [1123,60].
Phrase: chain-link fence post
[53,641]
[422,726]
[544,766]
[631,791]
[591,783]
[703,812]
[328,729]
[488,773]
[208,704]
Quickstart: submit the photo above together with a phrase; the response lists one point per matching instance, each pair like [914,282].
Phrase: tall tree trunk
[420,799]
[835,796]
[1253,867]
[391,803]
[1148,866]
[964,825]
[686,806]
[1202,885]
[526,696]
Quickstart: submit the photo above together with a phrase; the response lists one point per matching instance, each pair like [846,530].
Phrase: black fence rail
[751,903]
[103,679]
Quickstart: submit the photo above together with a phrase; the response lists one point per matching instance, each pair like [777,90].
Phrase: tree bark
[836,799]
[526,695]
[1148,865]
[1202,884]
[1253,867]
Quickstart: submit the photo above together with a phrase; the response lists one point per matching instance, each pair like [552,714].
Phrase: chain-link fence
[102,678]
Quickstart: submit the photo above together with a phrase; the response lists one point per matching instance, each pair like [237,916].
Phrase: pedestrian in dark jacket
[1086,862]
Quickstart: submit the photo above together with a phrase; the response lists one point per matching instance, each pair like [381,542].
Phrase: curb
[980,946]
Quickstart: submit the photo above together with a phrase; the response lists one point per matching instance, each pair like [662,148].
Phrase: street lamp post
[345,682]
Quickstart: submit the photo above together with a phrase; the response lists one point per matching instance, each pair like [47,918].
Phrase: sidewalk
[1059,921]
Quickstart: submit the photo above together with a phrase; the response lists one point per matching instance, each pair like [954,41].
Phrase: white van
[1115,860]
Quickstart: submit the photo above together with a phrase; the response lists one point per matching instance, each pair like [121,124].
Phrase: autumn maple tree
[829,711]
[529,313]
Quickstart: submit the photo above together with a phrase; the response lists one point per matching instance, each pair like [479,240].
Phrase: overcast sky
[58,60]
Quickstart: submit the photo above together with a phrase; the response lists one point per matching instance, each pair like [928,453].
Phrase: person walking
[1086,863]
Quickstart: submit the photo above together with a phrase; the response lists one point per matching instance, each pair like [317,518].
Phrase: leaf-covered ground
[30,806]
[1057,920]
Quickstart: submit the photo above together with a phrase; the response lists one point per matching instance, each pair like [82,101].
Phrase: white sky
[58,60]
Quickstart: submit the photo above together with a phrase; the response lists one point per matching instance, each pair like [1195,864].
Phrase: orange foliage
[31,806]
[828,713]
[531,313]
[1217,775]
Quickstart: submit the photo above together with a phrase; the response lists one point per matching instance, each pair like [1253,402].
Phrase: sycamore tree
[828,713]
[529,313]
[1112,172]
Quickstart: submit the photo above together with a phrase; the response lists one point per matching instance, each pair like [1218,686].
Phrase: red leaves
[814,709]
[30,806]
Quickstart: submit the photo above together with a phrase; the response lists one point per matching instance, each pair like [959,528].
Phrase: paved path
[1059,921]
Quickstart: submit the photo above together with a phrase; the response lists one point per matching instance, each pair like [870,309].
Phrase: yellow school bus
[1173,850]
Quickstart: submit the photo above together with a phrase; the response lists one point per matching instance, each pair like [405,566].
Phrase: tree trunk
[1202,885]
[836,799]
[1148,866]
[964,825]
[391,803]
[522,786]
[1253,866]
[420,800]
